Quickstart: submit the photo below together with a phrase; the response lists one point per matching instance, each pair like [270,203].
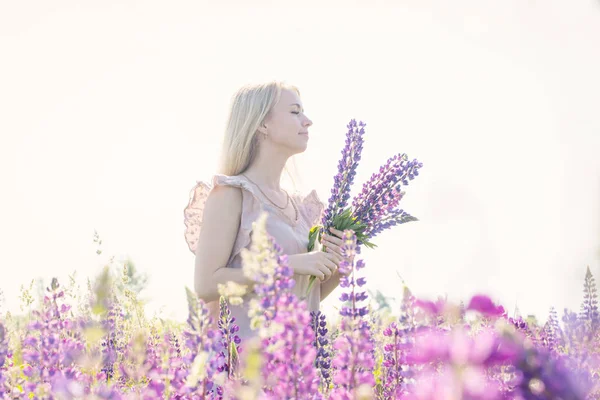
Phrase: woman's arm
[220,225]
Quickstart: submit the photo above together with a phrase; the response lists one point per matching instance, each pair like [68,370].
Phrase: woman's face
[287,125]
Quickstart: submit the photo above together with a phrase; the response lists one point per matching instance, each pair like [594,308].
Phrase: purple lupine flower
[4,352]
[266,265]
[201,341]
[555,326]
[539,374]
[3,344]
[321,342]
[375,206]
[343,180]
[229,339]
[576,336]
[353,362]
[166,376]
[110,347]
[374,209]
[48,348]
[282,320]
[522,326]
[176,368]
[547,338]
[104,304]
[589,306]
[289,353]
[169,376]
[580,339]
[136,363]
[394,358]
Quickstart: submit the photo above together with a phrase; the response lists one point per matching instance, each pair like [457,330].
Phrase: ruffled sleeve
[194,211]
[313,208]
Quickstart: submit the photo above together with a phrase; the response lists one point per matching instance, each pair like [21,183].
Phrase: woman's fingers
[333,239]
[330,263]
[325,271]
[319,274]
[332,246]
[330,255]
[338,258]
[329,242]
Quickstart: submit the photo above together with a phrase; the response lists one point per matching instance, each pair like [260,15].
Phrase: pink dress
[291,236]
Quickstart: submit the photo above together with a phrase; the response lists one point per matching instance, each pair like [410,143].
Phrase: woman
[266,126]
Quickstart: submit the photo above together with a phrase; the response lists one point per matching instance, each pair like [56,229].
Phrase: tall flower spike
[353,362]
[321,343]
[375,205]
[3,344]
[289,371]
[343,180]
[47,348]
[283,322]
[204,355]
[589,306]
[394,352]
[229,339]
[266,265]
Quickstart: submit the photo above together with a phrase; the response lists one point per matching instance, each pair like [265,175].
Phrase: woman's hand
[317,263]
[333,244]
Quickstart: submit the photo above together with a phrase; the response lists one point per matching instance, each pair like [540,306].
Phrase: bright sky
[110,111]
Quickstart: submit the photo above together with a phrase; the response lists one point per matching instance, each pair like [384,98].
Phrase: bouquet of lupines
[375,208]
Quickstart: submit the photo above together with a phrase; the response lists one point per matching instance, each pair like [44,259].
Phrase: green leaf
[234,358]
[369,245]
[312,237]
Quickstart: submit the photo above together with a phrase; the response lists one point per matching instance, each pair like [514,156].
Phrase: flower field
[100,345]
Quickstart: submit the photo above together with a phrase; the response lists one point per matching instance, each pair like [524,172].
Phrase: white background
[110,111]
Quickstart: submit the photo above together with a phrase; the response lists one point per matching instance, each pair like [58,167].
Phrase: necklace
[267,197]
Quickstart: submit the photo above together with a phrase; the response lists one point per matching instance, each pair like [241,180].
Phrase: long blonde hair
[250,105]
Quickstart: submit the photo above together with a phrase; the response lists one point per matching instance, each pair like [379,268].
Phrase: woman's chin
[300,149]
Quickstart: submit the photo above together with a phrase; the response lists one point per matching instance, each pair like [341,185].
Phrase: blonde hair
[250,105]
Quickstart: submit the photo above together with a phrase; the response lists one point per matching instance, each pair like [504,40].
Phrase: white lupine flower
[198,369]
[260,261]
[233,292]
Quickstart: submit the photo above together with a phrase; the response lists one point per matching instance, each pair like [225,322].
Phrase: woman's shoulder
[202,190]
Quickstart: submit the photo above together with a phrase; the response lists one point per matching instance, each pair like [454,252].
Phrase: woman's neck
[267,171]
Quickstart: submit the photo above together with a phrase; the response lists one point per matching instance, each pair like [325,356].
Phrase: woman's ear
[263,129]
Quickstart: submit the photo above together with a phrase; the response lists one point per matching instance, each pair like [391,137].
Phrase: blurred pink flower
[484,305]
